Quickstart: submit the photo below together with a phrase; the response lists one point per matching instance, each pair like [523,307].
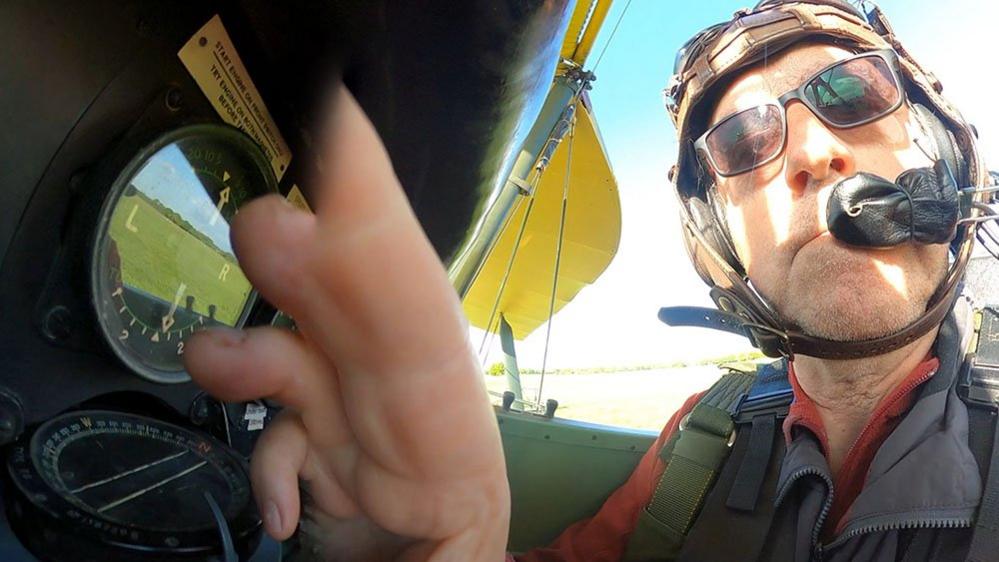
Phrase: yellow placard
[213,62]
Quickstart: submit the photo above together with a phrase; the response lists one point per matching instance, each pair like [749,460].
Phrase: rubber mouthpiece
[922,206]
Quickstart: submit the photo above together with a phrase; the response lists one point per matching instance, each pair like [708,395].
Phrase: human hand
[380,331]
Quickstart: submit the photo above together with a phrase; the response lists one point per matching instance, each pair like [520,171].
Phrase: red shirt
[603,537]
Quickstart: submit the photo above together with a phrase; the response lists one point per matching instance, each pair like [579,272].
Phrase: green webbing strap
[695,455]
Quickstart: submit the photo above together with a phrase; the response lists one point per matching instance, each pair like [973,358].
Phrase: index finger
[363,281]
[360,276]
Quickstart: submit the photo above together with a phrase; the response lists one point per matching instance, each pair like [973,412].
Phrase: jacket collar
[923,474]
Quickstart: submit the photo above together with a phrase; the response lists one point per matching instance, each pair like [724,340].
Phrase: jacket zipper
[898,396]
[826,505]
[952,523]
[818,549]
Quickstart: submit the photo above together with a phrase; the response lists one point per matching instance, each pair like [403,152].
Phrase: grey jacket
[923,481]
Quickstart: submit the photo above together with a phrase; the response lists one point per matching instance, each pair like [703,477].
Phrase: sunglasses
[847,93]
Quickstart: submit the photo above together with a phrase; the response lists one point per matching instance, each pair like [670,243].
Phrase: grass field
[636,399]
[154,256]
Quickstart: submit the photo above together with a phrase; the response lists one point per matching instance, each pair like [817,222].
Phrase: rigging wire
[558,242]
[509,268]
[611,38]
[566,124]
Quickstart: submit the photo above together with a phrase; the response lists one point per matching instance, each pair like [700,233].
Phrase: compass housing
[113,484]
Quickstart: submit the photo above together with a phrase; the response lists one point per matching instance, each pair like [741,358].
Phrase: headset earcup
[721,227]
[946,147]
[706,220]
[944,142]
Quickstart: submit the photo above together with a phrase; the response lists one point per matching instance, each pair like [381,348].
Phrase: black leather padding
[944,142]
[706,218]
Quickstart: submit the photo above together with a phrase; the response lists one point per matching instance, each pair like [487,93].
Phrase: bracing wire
[611,38]
[558,246]
[509,267]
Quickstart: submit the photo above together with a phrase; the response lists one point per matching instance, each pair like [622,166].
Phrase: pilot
[818,176]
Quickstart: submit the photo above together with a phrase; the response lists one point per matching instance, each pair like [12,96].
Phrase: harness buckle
[683,427]
[979,377]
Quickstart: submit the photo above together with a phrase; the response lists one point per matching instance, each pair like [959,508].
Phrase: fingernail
[272,519]
[226,336]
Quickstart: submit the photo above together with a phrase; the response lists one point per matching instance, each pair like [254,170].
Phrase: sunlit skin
[387,420]
[776,217]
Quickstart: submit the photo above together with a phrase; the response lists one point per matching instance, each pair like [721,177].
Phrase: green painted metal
[561,471]
[510,362]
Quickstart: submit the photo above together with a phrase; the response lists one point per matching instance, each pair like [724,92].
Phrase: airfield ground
[637,399]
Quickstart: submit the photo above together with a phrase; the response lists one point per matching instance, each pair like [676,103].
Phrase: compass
[128,487]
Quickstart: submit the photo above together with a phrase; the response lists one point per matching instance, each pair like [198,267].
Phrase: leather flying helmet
[947,201]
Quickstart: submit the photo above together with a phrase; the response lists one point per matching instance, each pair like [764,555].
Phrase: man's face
[776,213]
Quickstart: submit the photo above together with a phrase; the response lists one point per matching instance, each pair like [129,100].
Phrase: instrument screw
[200,410]
[76,181]
[58,324]
[11,417]
[174,99]
[7,431]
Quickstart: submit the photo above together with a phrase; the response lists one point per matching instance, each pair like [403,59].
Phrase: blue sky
[170,178]
[613,322]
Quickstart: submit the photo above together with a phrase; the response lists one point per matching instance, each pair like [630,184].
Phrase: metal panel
[561,471]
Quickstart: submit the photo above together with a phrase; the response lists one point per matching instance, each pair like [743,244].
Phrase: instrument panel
[119,177]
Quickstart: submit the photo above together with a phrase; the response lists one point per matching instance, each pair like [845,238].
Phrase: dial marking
[150,488]
[128,222]
[127,472]
[168,319]
[117,292]
[122,309]
[223,199]
[132,322]
[155,337]
[143,330]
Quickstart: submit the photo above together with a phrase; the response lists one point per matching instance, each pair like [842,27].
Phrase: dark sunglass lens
[746,139]
[855,91]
